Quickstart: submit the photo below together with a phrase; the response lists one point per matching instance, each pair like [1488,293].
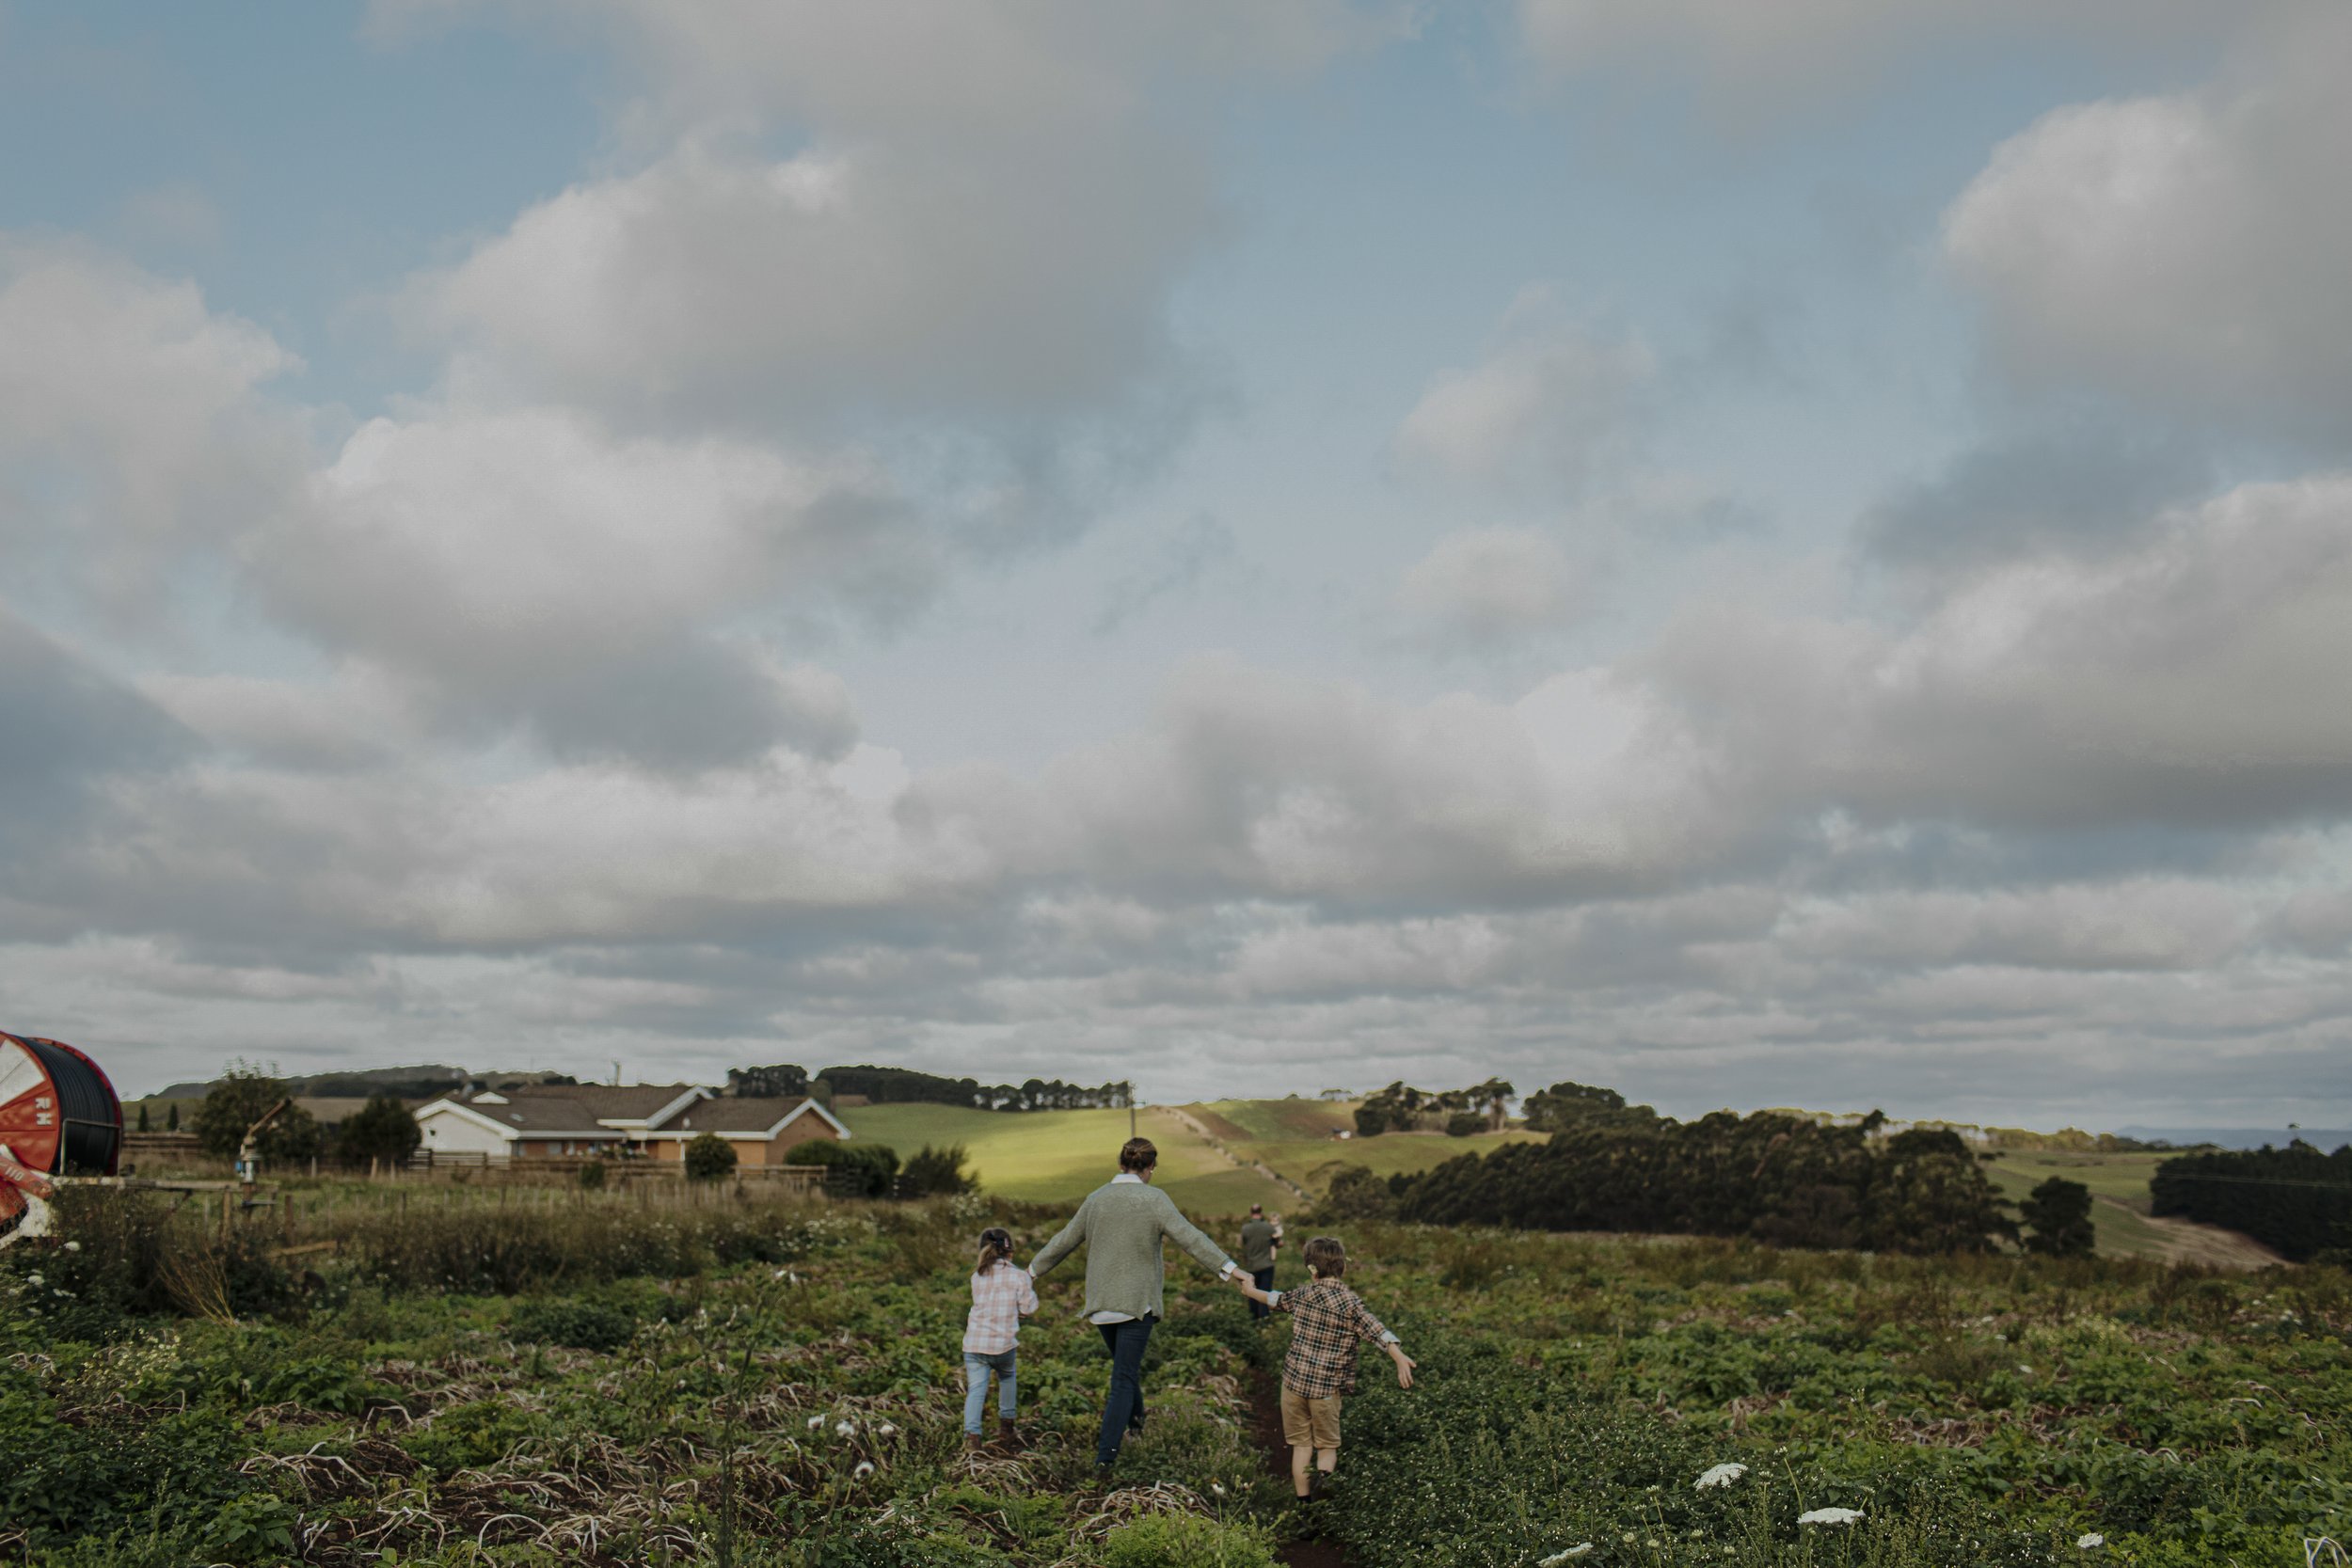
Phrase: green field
[454,1377]
[2120,1212]
[1058,1156]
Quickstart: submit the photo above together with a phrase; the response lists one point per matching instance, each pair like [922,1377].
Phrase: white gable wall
[446,1132]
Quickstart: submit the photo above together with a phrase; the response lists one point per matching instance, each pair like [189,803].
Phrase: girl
[1002,1295]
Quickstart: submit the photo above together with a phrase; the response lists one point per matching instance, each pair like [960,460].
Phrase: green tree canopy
[2058,1219]
[383,1129]
[241,1097]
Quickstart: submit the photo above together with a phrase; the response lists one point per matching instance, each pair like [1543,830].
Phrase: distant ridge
[2321,1138]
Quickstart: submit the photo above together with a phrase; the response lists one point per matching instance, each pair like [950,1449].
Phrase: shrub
[709,1157]
[872,1169]
[582,1324]
[1461,1124]
[1186,1541]
[1356,1194]
[592,1176]
[937,1172]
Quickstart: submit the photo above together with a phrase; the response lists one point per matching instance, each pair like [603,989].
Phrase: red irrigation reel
[59,1116]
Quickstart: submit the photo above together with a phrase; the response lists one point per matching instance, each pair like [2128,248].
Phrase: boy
[1329,1322]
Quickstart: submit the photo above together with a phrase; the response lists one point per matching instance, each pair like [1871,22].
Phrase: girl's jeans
[976,1370]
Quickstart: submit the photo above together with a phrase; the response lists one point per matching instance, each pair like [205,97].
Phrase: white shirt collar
[1126,1175]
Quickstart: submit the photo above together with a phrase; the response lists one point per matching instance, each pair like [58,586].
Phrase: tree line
[1784,1180]
[2294,1201]
[1401,1108]
[899,1085]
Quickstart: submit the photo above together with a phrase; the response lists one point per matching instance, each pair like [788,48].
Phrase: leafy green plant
[709,1157]
[1186,1541]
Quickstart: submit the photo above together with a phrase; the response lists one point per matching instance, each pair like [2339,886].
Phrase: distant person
[1260,1239]
[1331,1321]
[1120,1225]
[1002,1295]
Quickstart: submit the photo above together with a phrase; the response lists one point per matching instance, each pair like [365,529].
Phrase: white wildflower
[886,1430]
[1829,1516]
[32,1279]
[844,1429]
[2023,1367]
[864,1468]
[1556,1559]
[1218,1487]
[815,1421]
[2093,1538]
[1721,1475]
[73,1246]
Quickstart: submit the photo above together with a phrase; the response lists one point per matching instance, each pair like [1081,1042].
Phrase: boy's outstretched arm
[1405,1364]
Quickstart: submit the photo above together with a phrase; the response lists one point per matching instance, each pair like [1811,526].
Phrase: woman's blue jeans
[1123,1406]
[976,1370]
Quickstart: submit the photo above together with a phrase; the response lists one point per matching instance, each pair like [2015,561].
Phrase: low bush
[1186,1541]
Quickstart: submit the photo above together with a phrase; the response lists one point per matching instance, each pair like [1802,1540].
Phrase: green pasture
[1059,1156]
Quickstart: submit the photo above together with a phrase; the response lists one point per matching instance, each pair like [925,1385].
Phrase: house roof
[537,1117]
[604,1111]
[625,1102]
[760,1115]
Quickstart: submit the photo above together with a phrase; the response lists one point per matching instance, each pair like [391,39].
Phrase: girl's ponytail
[996,1247]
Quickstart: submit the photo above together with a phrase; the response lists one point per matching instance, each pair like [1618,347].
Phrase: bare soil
[1267,1407]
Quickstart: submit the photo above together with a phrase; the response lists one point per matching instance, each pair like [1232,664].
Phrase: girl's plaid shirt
[1328,1322]
[999,1297]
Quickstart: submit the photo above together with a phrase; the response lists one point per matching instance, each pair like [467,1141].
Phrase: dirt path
[2186,1241]
[1202,1130]
[1266,1409]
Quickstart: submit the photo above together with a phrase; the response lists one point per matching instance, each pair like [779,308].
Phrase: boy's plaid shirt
[1328,1322]
[998,1299]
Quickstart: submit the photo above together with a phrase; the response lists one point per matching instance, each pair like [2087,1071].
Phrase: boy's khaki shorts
[1310,1423]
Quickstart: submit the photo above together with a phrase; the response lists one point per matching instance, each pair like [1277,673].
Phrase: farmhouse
[640,1120]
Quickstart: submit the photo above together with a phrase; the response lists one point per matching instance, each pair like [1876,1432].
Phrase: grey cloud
[2079,487]
[1796,49]
[1487,588]
[2193,681]
[68,729]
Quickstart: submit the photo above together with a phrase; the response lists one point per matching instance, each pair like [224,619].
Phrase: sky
[1792,555]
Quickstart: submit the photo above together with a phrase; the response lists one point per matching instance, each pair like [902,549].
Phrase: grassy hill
[1208,1152]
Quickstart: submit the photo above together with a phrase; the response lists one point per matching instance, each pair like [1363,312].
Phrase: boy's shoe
[1009,1436]
[972,1443]
[1103,1476]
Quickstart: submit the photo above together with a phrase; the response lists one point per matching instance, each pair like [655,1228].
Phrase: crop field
[717,1378]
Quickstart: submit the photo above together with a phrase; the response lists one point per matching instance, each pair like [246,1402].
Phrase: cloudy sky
[1760,555]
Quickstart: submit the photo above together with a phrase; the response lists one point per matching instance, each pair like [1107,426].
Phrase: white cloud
[527,566]
[2185,252]
[1484,587]
[1551,406]
[133,420]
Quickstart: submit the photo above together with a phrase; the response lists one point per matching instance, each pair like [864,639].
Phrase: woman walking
[1120,1225]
